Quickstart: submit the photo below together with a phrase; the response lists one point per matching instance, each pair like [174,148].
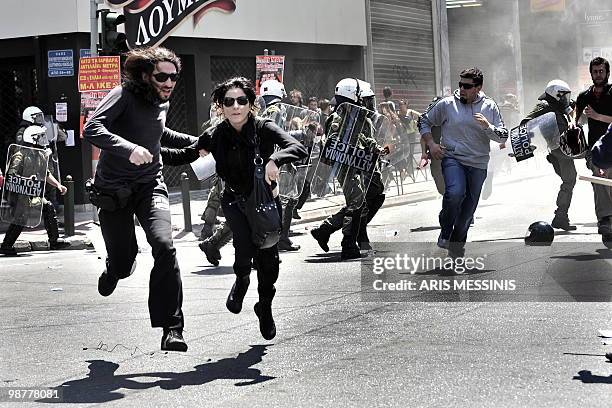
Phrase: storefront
[322,42]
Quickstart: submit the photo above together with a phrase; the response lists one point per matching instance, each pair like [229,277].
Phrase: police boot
[212,245]
[10,238]
[322,234]
[362,238]
[562,222]
[50,221]
[284,243]
[263,310]
[238,291]
[350,229]
[373,205]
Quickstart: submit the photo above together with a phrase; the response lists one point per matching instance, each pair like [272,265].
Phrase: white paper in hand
[204,167]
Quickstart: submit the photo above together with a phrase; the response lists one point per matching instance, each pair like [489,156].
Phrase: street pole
[516,49]
[93,21]
[440,47]
[368,55]
[93,47]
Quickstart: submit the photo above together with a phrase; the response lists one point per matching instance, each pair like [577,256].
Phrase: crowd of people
[346,141]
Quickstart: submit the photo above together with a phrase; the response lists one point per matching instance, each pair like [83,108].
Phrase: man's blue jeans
[461,195]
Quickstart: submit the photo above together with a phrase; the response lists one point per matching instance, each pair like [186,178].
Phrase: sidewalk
[314,210]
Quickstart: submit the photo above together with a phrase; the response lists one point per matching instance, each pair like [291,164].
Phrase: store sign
[99,73]
[150,22]
[268,67]
[60,63]
[547,5]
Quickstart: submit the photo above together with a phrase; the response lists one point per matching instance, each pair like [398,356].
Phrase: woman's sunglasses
[162,77]
[229,102]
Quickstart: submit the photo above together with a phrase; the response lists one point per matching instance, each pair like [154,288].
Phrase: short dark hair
[472,73]
[313,99]
[387,92]
[323,104]
[218,94]
[145,59]
[599,61]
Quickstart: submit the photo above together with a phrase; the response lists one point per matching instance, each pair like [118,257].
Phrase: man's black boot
[106,284]
[295,214]
[172,340]
[213,256]
[350,231]
[237,293]
[51,225]
[8,250]
[263,310]
[563,223]
[12,233]
[607,240]
[211,246]
[284,243]
[604,226]
[322,234]
[351,252]
[60,243]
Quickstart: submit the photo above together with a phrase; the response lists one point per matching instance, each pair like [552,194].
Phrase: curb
[308,216]
[394,201]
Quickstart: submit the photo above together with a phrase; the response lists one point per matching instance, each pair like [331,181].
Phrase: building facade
[387,42]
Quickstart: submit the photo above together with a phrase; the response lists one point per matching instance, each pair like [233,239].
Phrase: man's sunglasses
[229,102]
[466,86]
[162,77]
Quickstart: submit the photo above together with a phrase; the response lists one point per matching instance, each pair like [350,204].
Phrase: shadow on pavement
[587,377]
[103,385]
[215,270]
[423,229]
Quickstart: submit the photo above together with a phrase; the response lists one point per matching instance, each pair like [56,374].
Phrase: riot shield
[350,154]
[303,124]
[541,129]
[24,185]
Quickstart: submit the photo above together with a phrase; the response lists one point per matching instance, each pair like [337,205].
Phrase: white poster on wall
[61,111]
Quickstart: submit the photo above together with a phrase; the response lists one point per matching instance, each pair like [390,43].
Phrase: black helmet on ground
[540,233]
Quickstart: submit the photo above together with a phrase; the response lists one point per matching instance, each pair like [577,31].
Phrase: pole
[69,207]
[93,48]
[93,21]
[186,201]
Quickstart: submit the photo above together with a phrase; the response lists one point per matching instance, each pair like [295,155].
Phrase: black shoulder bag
[260,208]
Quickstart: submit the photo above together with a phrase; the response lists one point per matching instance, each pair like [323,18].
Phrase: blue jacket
[602,150]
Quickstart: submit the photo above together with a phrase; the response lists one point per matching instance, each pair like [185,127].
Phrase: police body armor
[24,185]
[350,154]
[302,124]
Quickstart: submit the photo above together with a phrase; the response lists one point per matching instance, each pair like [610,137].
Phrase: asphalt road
[332,348]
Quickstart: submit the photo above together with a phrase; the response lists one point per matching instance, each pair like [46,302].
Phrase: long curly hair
[144,60]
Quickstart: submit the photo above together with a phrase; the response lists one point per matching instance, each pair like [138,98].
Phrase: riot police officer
[21,163]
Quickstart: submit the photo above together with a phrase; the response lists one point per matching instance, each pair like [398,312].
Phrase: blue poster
[60,63]
[85,52]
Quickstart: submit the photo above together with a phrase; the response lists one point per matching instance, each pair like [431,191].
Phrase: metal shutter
[402,47]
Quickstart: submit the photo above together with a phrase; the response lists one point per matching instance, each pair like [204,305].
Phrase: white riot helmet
[273,88]
[348,88]
[558,90]
[365,89]
[36,135]
[33,114]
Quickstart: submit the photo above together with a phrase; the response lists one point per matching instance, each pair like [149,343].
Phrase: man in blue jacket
[469,120]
